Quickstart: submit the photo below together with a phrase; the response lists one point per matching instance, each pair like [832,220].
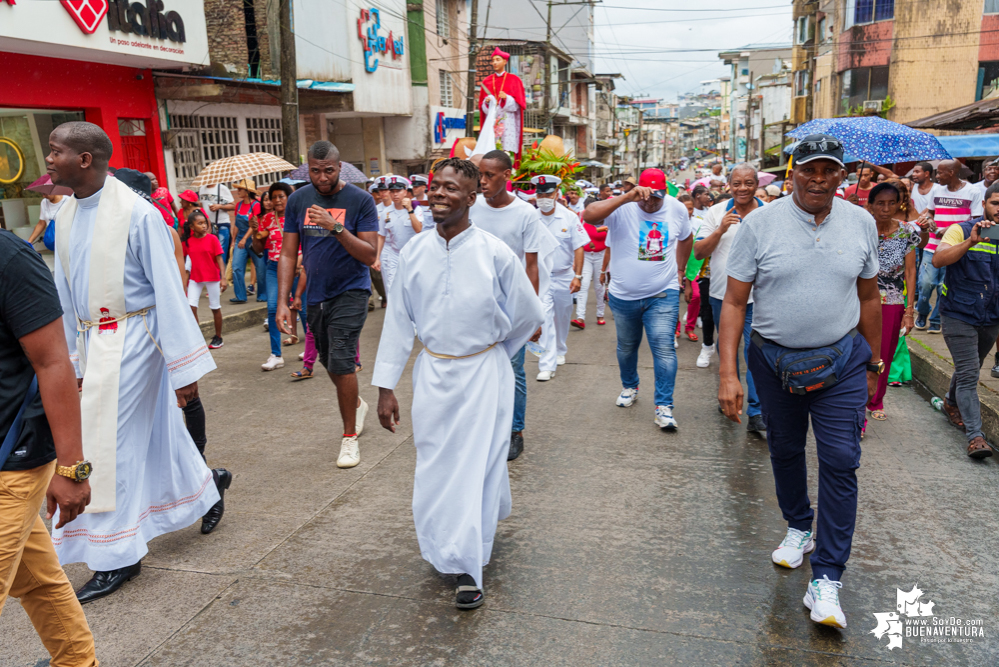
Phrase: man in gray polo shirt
[811,260]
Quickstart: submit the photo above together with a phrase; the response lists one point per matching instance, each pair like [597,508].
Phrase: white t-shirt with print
[216,194]
[951,208]
[643,248]
[517,224]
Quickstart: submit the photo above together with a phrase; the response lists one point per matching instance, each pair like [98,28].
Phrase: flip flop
[692,336]
[303,374]
[879,415]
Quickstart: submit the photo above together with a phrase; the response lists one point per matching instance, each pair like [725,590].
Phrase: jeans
[520,391]
[837,415]
[969,346]
[272,301]
[224,241]
[752,400]
[239,257]
[657,315]
[707,315]
[30,570]
[930,278]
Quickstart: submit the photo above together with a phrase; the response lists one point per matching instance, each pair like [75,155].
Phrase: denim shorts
[336,327]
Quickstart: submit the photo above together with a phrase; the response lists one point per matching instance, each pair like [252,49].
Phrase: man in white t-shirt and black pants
[714,240]
[518,224]
[650,236]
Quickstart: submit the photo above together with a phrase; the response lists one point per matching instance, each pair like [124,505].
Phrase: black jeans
[194,416]
[707,315]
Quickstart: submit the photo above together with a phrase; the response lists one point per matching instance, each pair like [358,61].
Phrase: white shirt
[518,224]
[719,257]
[397,228]
[49,209]
[922,202]
[643,259]
[568,231]
[216,194]
[578,206]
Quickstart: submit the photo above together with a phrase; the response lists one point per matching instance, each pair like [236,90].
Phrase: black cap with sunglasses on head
[818,147]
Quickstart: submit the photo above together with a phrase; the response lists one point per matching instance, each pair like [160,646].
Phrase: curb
[934,371]
[236,321]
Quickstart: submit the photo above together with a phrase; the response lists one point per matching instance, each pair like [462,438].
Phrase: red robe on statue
[512,86]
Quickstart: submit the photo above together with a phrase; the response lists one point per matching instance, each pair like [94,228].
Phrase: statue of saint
[506,91]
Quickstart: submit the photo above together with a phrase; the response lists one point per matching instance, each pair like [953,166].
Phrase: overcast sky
[663,53]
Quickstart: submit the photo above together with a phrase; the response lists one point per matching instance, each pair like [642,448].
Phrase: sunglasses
[806,148]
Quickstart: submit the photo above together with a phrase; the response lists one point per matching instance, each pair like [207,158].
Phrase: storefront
[61,64]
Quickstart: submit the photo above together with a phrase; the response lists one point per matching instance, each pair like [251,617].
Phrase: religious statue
[505,91]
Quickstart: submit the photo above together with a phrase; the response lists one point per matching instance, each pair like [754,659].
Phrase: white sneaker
[676,343]
[664,418]
[627,397]
[267,326]
[273,363]
[794,546]
[560,360]
[301,356]
[822,597]
[545,376]
[704,358]
[350,453]
[699,325]
[362,412]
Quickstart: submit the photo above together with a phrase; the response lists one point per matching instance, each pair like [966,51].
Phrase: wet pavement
[627,546]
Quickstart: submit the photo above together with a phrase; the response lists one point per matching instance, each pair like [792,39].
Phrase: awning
[594,163]
[975,116]
[971,145]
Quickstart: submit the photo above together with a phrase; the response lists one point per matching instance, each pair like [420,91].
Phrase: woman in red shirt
[593,259]
[206,273]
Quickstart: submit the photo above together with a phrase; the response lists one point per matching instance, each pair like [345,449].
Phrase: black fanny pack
[802,371]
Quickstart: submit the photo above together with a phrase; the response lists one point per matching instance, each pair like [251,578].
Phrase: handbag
[15,428]
[802,371]
[49,238]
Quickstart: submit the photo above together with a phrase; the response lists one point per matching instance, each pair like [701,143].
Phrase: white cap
[398,183]
[546,184]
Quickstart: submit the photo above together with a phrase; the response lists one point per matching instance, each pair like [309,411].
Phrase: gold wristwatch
[78,472]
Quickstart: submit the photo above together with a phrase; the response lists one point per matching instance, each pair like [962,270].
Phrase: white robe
[462,299]
[163,484]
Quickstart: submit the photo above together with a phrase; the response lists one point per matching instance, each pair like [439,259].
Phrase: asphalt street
[627,545]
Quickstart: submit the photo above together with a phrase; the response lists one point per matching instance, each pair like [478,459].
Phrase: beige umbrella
[238,167]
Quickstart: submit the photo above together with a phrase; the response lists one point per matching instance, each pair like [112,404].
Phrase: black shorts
[336,327]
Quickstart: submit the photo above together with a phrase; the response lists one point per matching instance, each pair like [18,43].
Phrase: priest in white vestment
[139,354]
[470,299]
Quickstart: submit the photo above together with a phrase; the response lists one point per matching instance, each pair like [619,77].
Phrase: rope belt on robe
[464,356]
[82,326]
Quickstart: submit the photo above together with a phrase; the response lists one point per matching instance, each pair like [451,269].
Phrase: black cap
[818,147]
[135,180]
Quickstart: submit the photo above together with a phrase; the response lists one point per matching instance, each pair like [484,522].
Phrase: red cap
[655,179]
[189,196]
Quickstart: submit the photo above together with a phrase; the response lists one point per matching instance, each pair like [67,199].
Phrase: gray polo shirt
[805,275]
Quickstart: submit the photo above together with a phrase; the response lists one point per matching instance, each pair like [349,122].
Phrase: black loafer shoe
[103,584]
[516,446]
[214,515]
[757,424]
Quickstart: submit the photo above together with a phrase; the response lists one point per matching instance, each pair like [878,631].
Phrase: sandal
[291,340]
[953,414]
[978,448]
[879,415]
[894,384]
[303,374]
[467,595]
[691,336]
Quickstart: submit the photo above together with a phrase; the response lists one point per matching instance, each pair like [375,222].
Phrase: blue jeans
[239,257]
[520,391]
[753,407]
[930,278]
[837,415]
[272,301]
[224,241]
[657,315]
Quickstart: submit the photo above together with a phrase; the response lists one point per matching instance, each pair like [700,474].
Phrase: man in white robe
[474,307]
[566,273]
[149,478]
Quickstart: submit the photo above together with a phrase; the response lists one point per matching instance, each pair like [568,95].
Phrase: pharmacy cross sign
[88,14]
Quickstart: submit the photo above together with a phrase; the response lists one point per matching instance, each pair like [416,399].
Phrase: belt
[758,340]
[85,325]
[464,356]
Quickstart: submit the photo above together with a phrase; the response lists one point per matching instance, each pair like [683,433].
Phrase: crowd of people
[818,281]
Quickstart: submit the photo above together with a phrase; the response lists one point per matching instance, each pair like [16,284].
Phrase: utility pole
[612,102]
[473,57]
[640,146]
[289,87]
[549,113]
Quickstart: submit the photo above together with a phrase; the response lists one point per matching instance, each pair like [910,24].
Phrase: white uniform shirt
[397,228]
[568,231]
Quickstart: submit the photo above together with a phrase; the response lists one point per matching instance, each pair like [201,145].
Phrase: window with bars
[264,136]
[991,7]
[868,11]
[199,140]
[447,92]
[443,19]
